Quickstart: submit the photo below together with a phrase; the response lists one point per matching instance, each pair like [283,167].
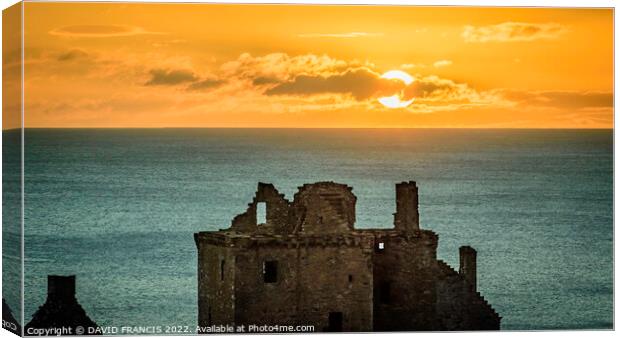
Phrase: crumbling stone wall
[216,276]
[404,280]
[277,207]
[330,274]
[459,305]
[324,207]
[315,276]
[407,217]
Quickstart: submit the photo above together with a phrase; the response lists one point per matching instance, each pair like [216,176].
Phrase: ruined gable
[276,212]
[324,207]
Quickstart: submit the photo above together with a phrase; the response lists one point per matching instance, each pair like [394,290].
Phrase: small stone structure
[8,320]
[61,310]
[306,264]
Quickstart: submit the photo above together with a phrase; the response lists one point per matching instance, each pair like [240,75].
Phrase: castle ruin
[61,314]
[303,262]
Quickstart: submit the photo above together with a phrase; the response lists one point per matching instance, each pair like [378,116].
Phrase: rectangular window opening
[380,247]
[222,265]
[350,278]
[270,271]
[261,213]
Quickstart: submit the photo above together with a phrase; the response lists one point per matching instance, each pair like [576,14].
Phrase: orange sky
[199,65]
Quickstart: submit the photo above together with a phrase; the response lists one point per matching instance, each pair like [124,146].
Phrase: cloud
[99,31]
[317,77]
[72,55]
[442,63]
[263,80]
[361,83]
[513,31]
[412,65]
[560,99]
[281,67]
[168,43]
[340,35]
[205,84]
[170,77]
[277,89]
[436,91]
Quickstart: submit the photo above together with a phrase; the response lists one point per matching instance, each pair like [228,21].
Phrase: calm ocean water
[118,209]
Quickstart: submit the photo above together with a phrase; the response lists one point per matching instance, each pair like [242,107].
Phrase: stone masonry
[306,264]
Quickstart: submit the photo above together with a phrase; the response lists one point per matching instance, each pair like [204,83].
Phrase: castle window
[350,278]
[222,265]
[270,271]
[385,296]
[261,213]
[380,247]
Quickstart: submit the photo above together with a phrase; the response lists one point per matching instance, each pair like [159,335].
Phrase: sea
[118,208]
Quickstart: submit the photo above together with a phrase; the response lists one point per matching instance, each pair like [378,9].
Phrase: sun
[395,101]
[398,75]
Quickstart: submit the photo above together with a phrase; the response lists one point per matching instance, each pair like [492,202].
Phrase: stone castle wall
[404,280]
[331,275]
[312,281]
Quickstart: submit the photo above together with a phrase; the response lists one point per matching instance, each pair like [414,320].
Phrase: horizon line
[322,128]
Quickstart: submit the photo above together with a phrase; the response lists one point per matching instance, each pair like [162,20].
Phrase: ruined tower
[467,265]
[61,309]
[303,262]
[407,217]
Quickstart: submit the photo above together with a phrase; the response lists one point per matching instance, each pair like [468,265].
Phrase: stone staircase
[446,269]
[478,299]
